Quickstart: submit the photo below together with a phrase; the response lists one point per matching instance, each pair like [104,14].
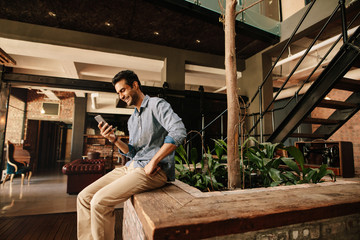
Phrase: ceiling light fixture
[197,41]
[52,14]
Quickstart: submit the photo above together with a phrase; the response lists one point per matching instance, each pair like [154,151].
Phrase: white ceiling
[68,62]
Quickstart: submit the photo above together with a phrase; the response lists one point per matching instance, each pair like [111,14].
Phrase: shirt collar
[143,104]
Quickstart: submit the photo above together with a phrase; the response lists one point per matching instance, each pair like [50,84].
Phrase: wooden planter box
[178,211]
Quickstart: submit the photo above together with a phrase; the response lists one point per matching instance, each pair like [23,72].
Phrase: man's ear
[135,85]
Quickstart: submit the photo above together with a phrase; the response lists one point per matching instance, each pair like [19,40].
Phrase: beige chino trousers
[96,202]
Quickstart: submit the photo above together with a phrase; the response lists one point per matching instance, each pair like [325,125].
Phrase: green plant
[303,174]
[211,176]
[260,159]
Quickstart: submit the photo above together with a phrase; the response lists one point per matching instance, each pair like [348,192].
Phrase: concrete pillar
[174,72]
[4,104]
[78,127]
[257,67]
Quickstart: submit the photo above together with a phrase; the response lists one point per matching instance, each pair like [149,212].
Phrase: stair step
[321,121]
[348,85]
[336,104]
[308,135]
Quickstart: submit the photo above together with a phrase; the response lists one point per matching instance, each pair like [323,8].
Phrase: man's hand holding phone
[106,130]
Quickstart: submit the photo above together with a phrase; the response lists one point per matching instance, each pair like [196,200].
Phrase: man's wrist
[115,140]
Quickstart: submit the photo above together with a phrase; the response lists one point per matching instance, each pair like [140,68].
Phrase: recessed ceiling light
[52,14]
[156,33]
[197,41]
[108,24]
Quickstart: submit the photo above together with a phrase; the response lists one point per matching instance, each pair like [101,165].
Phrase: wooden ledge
[178,211]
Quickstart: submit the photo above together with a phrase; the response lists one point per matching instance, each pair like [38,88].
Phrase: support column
[174,72]
[78,128]
[257,67]
[4,104]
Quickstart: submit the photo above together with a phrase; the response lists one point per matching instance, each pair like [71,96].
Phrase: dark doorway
[47,144]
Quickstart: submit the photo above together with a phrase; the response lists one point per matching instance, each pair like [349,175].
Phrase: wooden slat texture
[336,104]
[348,85]
[308,135]
[181,197]
[60,226]
[238,213]
[321,121]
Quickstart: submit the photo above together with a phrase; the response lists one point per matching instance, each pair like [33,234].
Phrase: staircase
[331,78]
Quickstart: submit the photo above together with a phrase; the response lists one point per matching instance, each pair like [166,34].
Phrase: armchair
[82,172]
[14,167]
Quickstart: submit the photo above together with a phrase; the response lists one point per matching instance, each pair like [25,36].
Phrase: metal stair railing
[270,71]
[261,113]
[267,109]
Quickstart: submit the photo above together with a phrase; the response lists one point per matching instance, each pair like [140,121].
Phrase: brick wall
[34,105]
[15,119]
[340,228]
[350,131]
[35,101]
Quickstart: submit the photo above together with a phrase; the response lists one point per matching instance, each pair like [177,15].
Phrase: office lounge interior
[59,61]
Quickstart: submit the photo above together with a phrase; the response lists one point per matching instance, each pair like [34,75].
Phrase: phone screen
[99,119]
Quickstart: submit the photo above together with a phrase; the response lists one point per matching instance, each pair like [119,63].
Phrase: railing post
[273,120]
[343,20]
[260,115]
[298,128]
[222,127]
[254,121]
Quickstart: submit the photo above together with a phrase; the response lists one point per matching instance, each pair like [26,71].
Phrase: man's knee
[97,201]
[84,196]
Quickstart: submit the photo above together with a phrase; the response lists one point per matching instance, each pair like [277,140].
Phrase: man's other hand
[151,170]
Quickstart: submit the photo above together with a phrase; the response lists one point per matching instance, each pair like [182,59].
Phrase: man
[154,133]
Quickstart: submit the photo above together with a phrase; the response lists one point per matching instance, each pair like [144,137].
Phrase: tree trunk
[232,97]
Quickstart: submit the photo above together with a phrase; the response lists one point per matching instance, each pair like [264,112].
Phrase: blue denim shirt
[149,129]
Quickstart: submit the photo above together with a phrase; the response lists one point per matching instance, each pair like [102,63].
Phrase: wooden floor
[48,226]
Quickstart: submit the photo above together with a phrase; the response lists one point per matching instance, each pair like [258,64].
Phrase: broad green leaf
[182,153]
[297,154]
[221,143]
[275,174]
[291,176]
[291,164]
[193,157]
[276,183]
[266,161]
[253,158]
[309,175]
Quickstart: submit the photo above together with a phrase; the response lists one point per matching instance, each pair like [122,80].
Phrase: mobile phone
[100,119]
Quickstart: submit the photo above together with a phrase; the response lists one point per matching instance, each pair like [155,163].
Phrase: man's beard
[134,98]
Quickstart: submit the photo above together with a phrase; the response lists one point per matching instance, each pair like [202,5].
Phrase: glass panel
[264,16]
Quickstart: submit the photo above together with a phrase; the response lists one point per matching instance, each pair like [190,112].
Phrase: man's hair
[129,76]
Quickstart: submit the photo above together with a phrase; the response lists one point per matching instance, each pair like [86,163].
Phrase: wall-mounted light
[197,41]
[52,14]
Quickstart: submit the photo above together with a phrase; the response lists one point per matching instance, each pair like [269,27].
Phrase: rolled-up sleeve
[171,122]
[131,152]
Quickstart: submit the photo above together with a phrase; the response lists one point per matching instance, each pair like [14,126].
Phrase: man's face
[126,93]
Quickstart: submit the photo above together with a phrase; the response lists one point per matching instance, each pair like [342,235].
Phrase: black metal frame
[340,67]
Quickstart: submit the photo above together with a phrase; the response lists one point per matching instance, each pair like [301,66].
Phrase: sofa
[82,172]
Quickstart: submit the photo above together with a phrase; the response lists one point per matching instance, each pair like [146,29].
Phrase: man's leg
[84,198]
[104,201]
